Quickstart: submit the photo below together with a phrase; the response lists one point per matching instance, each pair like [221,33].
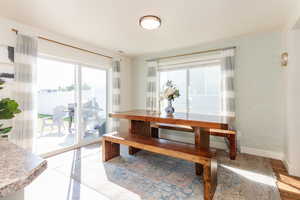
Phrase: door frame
[79,142]
[80,139]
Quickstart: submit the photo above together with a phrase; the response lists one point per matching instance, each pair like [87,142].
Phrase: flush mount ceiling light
[150,22]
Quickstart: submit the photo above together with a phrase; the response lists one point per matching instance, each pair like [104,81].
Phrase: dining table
[140,124]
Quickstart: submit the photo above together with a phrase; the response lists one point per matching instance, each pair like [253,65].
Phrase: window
[204,90]
[199,87]
[176,77]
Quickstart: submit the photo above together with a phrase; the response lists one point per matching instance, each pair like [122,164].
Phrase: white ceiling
[113,24]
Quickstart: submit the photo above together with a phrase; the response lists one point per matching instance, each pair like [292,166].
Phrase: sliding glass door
[56,93]
[71,105]
[93,103]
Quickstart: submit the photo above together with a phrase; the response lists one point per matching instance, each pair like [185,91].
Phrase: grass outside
[41,116]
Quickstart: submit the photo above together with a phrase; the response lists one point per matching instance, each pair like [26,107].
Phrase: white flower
[169,92]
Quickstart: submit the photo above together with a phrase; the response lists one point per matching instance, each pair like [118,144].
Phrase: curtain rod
[67,45]
[189,54]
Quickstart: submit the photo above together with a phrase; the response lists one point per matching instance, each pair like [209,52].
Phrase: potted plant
[170,92]
[8,109]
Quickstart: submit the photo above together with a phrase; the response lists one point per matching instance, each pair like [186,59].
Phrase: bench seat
[205,157]
[161,146]
[230,135]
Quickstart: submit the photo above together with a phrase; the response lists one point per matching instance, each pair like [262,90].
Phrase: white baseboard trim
[286,164]
[252,151]
[222,145]
[292,169]
[218,145]
[263,153]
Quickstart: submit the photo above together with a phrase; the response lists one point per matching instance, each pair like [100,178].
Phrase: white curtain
[24,91]
[225,57]
[152,86]
[227,82]
[116,92]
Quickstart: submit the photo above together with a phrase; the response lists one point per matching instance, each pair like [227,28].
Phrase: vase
[169,109]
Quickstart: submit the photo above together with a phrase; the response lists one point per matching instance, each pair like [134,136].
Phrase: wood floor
[288,186]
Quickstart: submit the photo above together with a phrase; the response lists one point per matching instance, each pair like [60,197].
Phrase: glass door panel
[93,103]
[56,105]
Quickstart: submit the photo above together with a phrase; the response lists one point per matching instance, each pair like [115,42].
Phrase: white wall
[260,89]
[291,44]
[7,37]
[292,147]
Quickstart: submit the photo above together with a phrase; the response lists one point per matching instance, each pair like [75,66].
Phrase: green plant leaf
[8,108]
[5,130]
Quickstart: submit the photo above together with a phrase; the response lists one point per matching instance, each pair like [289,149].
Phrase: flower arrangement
[171,91]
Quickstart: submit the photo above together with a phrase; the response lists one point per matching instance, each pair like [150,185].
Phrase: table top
[18,168]
[188,119]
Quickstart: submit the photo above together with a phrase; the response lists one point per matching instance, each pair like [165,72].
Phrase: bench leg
[132,150]
[154,132]
[201,141]
[210,179]
[198,169]
[139,128]
[232,147]
[109,150]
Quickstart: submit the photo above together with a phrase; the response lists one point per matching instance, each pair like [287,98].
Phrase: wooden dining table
[140,124]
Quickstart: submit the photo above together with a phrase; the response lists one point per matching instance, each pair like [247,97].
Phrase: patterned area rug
[81,175]
[157,177]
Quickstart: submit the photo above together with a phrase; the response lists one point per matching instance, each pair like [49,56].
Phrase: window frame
[188,81]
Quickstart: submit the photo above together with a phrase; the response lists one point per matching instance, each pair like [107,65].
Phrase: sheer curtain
[116,92]
[24,92]
[152,82]
[227,83]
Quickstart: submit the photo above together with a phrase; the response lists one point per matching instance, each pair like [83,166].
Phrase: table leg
[138,128]
[233,147]
[154,132]
[201,141]
[70,124]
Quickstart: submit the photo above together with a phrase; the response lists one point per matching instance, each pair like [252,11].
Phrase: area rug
[157,177]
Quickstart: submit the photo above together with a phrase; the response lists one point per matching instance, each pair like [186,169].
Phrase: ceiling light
[150,22]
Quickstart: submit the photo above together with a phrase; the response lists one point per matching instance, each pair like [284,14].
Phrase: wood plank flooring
[289,186]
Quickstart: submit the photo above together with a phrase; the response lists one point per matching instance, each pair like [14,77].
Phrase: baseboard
[263,153]
[287,165]
[292,169]
[218,145]
[222,145]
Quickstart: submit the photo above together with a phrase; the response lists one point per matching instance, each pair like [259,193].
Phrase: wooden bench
[230,135]
[111,149]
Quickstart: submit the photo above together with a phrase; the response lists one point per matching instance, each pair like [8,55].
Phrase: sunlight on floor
[293,182]
[256,177]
